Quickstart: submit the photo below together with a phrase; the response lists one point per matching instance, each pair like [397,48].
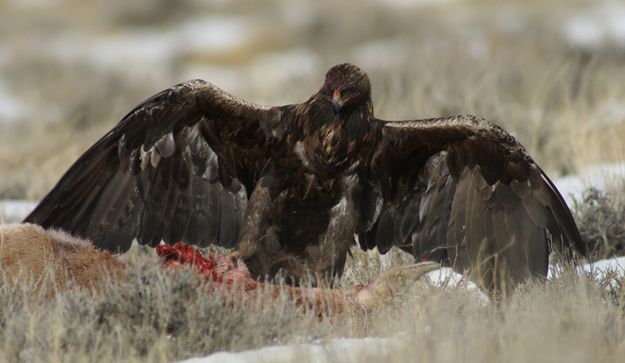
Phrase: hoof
[393,282]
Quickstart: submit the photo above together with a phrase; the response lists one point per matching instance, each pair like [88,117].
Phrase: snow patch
[27,4]
[410,3]
[598,269]
[11,109]
[598,176]
[12,211]
[446,277]
[152,45]
[597,26]
[131,49]
[340,350]
[214,33]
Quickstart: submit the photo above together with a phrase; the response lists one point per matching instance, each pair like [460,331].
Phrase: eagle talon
[234,258]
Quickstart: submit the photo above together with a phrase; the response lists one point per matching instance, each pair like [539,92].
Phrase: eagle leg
[257,218]
[327,258]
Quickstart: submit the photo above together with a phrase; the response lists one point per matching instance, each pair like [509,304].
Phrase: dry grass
[155,315]
[601,219]
[159,316]
[557,99]
[570,319]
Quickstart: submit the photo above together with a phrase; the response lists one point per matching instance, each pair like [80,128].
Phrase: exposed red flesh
[229,272]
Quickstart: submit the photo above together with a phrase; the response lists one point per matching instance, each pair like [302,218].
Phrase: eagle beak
[337,102]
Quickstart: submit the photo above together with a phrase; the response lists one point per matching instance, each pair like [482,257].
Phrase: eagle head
[346,86]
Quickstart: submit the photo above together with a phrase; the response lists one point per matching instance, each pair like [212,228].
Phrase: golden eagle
[294,187]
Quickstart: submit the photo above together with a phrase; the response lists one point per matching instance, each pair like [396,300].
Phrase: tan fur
[53,258]
[55,261]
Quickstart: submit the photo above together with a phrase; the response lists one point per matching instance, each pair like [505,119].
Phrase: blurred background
[552,73]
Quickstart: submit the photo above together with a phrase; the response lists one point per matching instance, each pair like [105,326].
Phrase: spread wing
[178,167]
[463,190]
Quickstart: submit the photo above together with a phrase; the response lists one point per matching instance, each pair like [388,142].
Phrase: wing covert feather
[177,167]
[463,191]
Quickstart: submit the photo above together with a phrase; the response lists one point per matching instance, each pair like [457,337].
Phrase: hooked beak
[337,102]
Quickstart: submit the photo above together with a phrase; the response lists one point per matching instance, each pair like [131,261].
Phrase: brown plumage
[290,186]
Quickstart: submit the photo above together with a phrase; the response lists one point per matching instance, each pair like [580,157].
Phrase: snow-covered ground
[410,3]
[336,350]
[149,47]
[599,176]
[11,108]
[597,25]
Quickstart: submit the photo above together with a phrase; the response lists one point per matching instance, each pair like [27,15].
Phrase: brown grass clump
[601,220]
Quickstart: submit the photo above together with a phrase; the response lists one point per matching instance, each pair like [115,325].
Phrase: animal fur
[52,258]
